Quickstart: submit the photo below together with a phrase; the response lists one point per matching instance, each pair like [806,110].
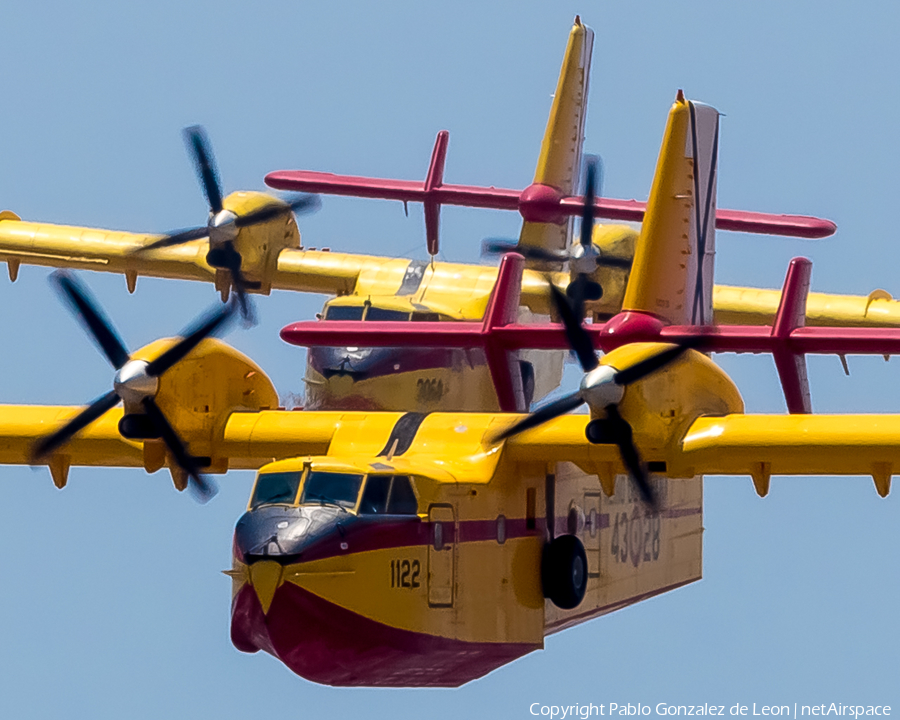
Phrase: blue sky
[111,600]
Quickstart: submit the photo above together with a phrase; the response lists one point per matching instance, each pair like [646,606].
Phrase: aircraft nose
[354,362]
[281,533]
[266,577]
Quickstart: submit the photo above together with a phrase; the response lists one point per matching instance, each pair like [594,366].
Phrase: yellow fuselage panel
[632,554]
[376,585]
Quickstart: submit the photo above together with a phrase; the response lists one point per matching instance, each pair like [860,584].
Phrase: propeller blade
[590,188]
[541,415]
[501,246]
[298,206]
[45,446]
[201,152]
[182,236]
[193,334]
[233,262]
[640,370]
[87,310]
[579,339]
[201,488]
[621,432]
[580,289]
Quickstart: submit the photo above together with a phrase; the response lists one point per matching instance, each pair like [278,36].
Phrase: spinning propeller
[223,225]
[582,256]
[602,387]
[136,383]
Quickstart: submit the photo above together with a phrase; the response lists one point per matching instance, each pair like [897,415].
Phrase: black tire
[564,572]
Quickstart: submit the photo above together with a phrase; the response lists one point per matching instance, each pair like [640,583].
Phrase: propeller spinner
[136,383]
[223,225]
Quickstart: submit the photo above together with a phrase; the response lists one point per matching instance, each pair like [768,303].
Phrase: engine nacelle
[616,246]
[260,244]
[199,394]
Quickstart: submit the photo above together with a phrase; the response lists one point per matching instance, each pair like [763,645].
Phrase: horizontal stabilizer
[534,203]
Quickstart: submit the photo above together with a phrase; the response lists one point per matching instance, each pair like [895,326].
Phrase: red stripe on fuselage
[382,535]
[328,644]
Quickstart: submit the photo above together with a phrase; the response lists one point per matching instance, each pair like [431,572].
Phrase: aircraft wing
[332,273]
[99,444]
[765,445]
[757,446]
[247,441]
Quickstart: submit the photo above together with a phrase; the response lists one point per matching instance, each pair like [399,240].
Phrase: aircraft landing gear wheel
[564,571]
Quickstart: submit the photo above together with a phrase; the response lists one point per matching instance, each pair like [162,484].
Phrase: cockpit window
[344,312]
[375,496]
[403,499]
[376,313]
[388,494]
[332,488]
[279,487]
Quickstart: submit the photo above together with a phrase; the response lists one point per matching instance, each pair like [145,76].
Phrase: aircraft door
[441,555]
[591,536]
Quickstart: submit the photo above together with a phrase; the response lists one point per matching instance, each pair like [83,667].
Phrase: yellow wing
[453,284]
[766,445]
[755,446]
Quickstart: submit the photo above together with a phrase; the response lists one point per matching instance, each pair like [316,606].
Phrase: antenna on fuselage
[390,455]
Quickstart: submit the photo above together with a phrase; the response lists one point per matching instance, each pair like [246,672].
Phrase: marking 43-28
[635,539]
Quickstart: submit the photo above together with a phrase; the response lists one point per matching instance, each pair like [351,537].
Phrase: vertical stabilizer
[672,274]
[559,164]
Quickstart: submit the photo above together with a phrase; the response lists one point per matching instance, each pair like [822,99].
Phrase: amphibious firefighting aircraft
[251,242]
[412,549]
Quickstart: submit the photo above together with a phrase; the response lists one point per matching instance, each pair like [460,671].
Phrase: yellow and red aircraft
[413,549]
[251,241]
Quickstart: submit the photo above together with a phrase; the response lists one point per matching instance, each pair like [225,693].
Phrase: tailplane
[672,274]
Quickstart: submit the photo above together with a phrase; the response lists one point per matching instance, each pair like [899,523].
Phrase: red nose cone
[540,203]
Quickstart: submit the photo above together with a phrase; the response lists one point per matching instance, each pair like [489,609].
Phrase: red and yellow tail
[672,274]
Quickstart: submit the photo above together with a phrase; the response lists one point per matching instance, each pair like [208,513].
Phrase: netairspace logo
[565,712]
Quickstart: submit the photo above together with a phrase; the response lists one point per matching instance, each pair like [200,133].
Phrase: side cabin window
[371,312]
[275,488]
[344,312]
[425,317]
[388,495]
[332,488]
